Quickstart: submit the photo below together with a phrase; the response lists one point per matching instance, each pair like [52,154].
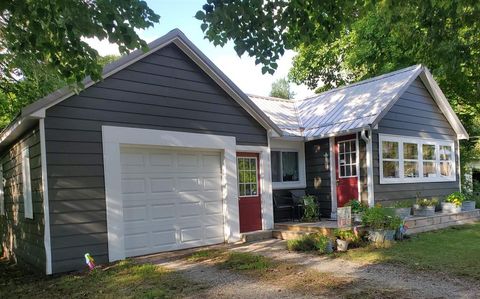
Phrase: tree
[53,32]
[340,42]
[281,89]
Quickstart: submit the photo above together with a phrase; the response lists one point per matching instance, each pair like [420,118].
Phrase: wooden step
[288,235]
[305,228]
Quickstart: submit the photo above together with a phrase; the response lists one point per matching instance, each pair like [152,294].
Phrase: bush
[310,242]
[356,206]
[346,234]
[425,202]
[310,213]
[456,198]
[380,218]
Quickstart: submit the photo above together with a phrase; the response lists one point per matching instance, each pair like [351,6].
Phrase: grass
[454,251]
[122,280]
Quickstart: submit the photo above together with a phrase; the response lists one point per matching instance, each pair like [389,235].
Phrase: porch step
[255,236]
[288,235]
[324,228]
[438,221]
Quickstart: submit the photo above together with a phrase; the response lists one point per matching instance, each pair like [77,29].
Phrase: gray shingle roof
[346,109]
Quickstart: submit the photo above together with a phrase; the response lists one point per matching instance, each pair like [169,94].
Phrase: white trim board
[113,137]
[333,178]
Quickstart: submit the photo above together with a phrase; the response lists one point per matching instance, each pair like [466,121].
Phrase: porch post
[333,178]
[371,197]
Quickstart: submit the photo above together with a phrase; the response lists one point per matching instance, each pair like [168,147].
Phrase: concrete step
[256,236]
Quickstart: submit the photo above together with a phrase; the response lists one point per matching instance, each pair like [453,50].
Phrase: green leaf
[200,15]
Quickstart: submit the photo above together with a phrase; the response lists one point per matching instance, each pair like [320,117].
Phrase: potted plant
[424,207]
[453,203]
[468,204]
[344,238]
[381,226]
[310,209]
[402,209]
[357,210]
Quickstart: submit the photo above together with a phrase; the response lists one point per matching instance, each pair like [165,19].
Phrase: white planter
[357,217]
[450,208]
[468,205]
[423,211]
[342,245]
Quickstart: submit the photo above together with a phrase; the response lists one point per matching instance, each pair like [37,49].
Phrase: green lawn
[122,280]
[453,251]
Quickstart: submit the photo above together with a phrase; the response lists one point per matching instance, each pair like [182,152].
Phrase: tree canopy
[341,41]
[281,89]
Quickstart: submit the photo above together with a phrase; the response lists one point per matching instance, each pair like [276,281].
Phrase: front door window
[247,176]
[347,158]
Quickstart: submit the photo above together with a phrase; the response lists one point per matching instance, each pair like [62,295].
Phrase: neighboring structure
[167,153]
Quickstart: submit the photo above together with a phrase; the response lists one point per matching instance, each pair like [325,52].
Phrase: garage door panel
[172,199]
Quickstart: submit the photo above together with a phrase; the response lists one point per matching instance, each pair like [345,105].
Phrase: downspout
[369,150]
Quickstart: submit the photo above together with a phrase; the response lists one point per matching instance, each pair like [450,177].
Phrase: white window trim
[27,184]
[291,146]
[238,174]
[419,142]
[356,160]
[2,194]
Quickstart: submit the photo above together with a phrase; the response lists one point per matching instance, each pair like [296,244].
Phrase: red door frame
[347,187]
[250,207]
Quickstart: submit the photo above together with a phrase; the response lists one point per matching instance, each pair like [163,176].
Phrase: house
[167,153]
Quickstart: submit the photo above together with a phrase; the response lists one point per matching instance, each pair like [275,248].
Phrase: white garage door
[172,199]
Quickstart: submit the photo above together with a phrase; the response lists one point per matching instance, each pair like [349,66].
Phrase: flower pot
[423,211]
[450,208]
[342,245]
[468,205]
[357,217]
[381,235]
[402,212]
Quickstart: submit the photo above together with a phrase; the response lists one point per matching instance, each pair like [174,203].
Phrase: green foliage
[402,204]
[281,89]
[356,206]
[340,42]
[380,218]
[246,261]
[346,234]
[425,202]
[310,242]
[456,198]
[310,208]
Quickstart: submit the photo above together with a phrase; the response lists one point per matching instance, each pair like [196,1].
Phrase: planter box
[468,205]
[402,212]
[342,245]
[381,235]
[357,217]
[450,208]
[423,211]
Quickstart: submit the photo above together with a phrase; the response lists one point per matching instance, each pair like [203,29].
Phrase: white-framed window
[284,166]
[2,194]
[27,184]
[247,176]
[347,158]
[415,160]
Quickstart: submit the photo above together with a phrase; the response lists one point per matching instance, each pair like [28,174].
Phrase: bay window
[411,160]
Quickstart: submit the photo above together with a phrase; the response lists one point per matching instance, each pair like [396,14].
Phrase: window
[27,184]
[410,160]
[247,176]
[347,158]
[2,196]
[284,166]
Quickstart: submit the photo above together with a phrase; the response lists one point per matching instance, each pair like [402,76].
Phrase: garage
[171,198]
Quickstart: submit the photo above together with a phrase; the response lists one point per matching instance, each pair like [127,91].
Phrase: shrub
[357,206]
[310,242]
[379,218]
[456,198]
[310,212]
[425,202]
[346,234]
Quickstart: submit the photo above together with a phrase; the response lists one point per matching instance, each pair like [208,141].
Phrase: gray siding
[165,91]
[23,239]
[318,173]
[415,114]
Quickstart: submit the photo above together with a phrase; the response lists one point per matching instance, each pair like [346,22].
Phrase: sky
[242,71]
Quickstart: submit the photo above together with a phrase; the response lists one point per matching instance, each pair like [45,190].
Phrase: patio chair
[282,204]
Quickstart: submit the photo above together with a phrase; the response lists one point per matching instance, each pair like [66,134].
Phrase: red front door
[249,202]
[346,169]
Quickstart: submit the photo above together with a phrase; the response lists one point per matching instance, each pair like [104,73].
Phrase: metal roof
[347,109]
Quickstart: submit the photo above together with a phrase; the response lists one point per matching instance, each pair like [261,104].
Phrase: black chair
[282,204]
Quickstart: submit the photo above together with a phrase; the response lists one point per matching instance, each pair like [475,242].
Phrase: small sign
[344,217]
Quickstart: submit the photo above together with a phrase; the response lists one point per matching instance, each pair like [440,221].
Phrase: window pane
[276,174]
[242,190]
[445,153]
[390,150]
[342,171]
[290,166]
[410,151]
[390,169]
[354,169]
[410,169]
[446,168]
[428,151]
[247,190]
[254,189]
[353,146]
[347,171]
[429,170]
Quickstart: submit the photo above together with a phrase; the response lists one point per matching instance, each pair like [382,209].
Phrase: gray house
[167,153]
